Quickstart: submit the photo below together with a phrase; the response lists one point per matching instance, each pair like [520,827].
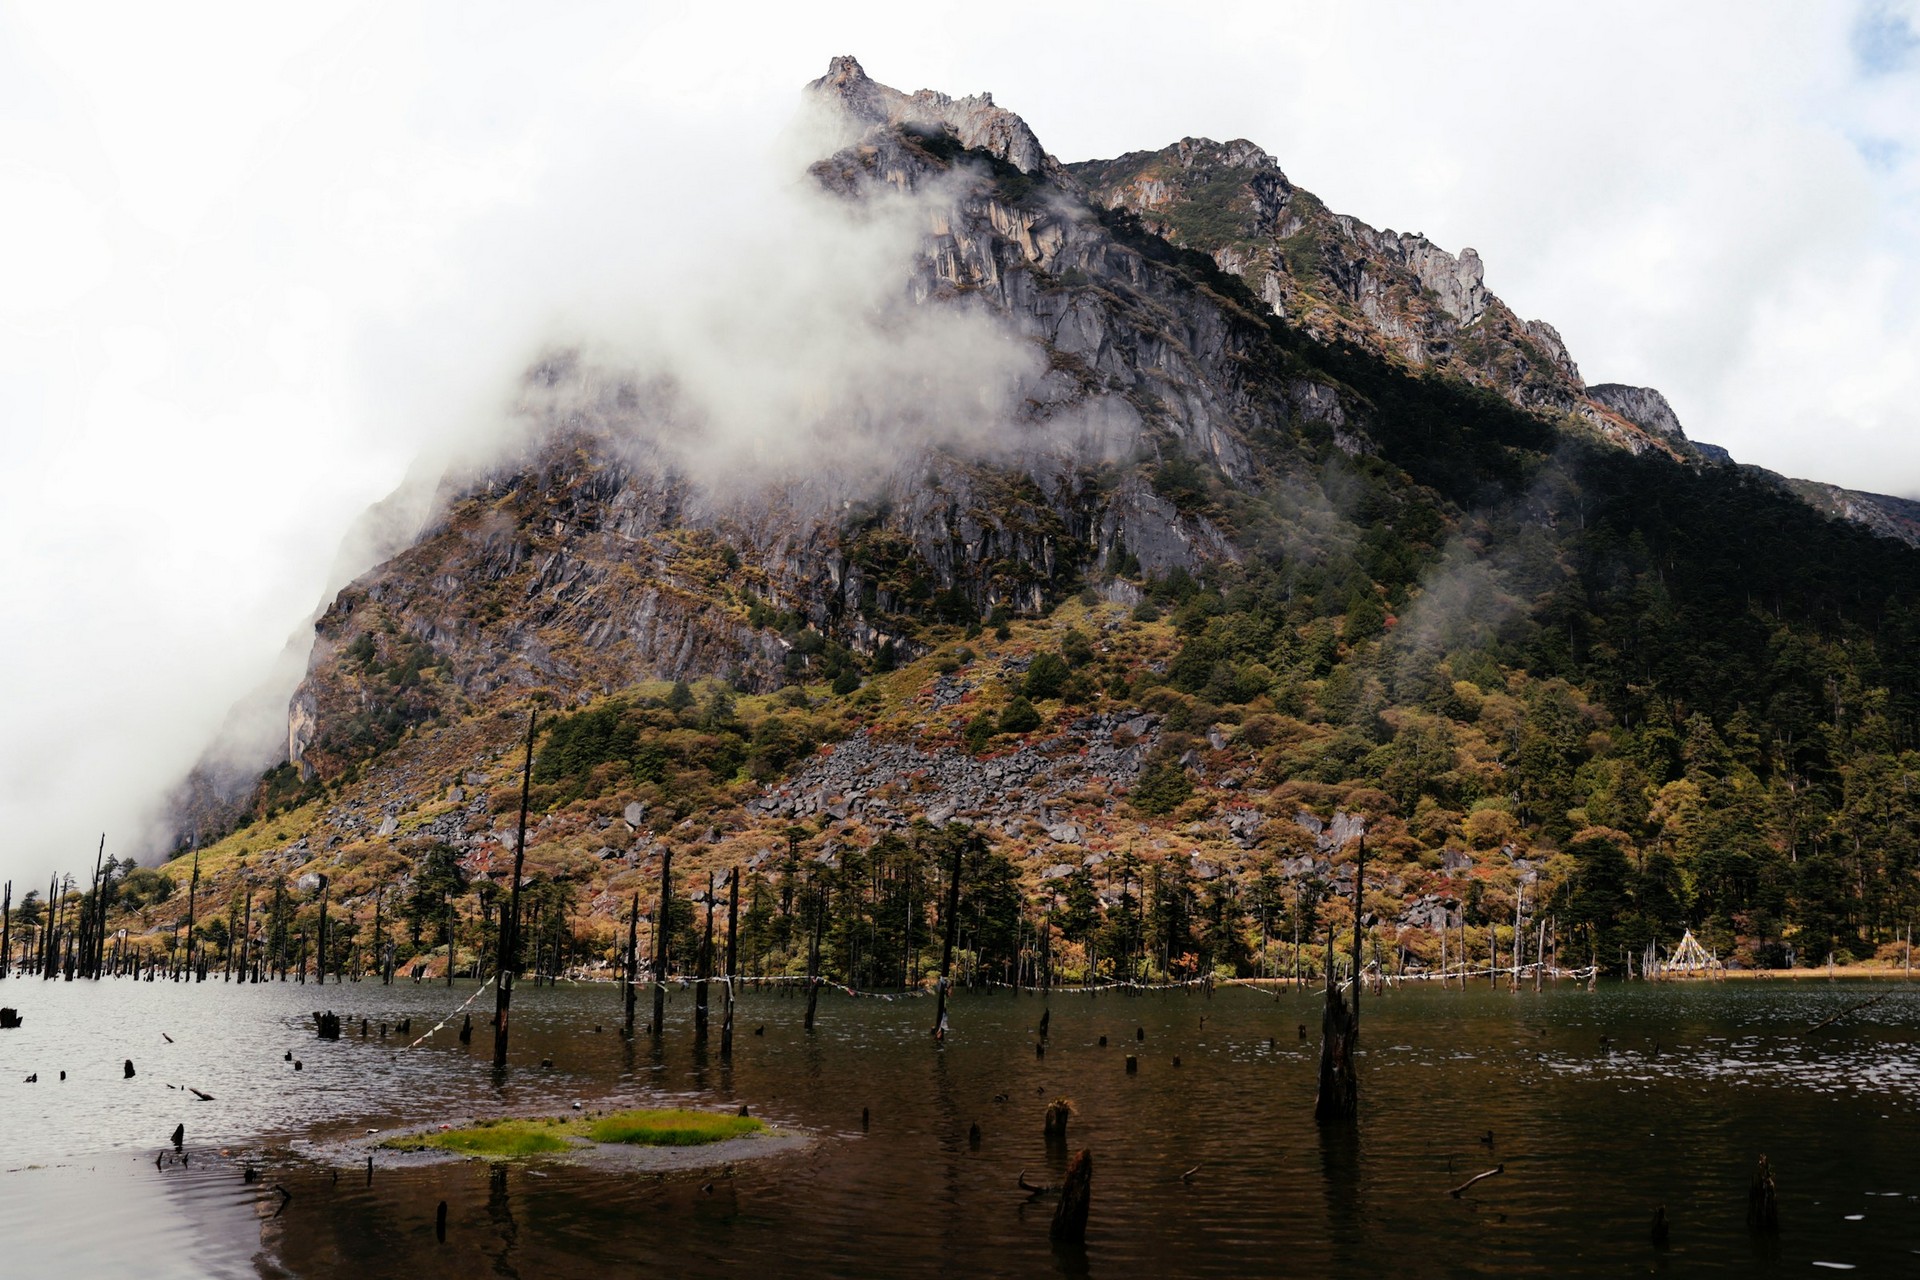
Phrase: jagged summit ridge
[975,120]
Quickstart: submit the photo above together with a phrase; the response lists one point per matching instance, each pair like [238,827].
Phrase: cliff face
[1395,294]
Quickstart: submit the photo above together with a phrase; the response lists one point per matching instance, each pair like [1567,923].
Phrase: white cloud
[255,260]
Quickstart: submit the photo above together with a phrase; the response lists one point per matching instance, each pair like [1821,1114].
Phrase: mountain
[1168,525]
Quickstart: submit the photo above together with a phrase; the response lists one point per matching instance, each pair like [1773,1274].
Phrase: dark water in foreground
[1594,1135]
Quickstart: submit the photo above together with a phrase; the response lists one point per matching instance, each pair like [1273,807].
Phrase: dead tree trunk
[633,965]
[1763,1206]
[510,928]
[1076,1199]
[946,948]
[320,961]
[706,970]
[733,956]
[660,934]
[813,954]
[1338,1099]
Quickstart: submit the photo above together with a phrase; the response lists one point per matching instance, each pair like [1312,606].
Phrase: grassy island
[650,1128]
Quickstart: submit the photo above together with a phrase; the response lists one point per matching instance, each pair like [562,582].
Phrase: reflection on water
[1601,1107]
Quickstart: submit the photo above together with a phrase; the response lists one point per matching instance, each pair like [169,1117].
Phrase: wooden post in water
[660,935]
[510,931]
[6,928]
[946,947]
[633,965]
[733,956]
[706,971]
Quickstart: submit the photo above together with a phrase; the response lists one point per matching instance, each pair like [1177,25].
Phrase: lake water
[1601,1105]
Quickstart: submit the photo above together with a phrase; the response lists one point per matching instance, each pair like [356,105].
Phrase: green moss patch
[671,1128]
[491,1138]
[646,1128]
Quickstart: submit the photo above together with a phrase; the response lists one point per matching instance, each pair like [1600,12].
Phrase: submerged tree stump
[328,1024]
[1763,1205]
[1338,1101]
[1059,1111]
[1076,1198]
[10,1018]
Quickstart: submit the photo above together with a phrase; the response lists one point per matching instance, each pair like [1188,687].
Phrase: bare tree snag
[510,929]
[1763,1205]
[1076,1198]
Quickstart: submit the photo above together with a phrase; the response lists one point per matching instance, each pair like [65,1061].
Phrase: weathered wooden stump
[1133,1065]
[329,1025]
[973,1136]
[1076,1198]
[466,1029]
[440,1223]
[1059,1111]
[10,1018]
[1763,1205]
[179,1136]
[126,1071]
[1338,1100]
[1660,1228]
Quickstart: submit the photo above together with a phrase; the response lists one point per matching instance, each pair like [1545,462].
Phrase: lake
[1601,1106]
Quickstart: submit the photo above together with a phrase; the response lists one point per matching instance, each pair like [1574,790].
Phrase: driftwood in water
[1076,1198]
[1460,1190]
[179,1137]
[1853,1008]
[1763,1204]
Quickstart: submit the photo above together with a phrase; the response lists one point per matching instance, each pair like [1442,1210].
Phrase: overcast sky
[254,259]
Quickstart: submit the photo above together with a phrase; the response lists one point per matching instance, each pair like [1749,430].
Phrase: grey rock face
[1642,406]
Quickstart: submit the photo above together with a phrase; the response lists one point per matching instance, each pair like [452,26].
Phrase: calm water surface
[1601,1106]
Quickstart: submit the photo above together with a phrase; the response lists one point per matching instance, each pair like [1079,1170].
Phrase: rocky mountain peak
[974,120]
[1642,406]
